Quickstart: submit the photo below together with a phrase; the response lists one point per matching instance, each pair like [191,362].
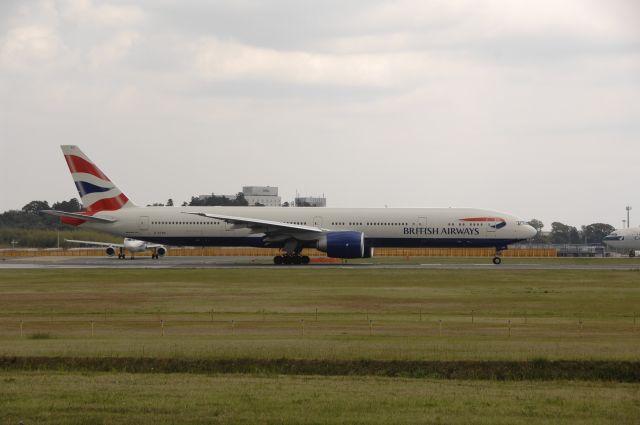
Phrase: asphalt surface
[263,263]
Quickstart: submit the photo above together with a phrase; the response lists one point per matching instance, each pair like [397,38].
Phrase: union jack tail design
[96,191]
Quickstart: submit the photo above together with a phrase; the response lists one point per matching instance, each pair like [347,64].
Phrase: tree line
[564,234]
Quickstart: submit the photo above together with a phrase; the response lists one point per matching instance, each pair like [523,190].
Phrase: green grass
[97,398]
[362,314]
[368,322]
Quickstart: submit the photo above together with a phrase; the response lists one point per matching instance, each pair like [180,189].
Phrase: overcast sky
[528,107]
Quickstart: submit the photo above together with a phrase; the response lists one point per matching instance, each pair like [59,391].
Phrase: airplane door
[317,221]
[143,223]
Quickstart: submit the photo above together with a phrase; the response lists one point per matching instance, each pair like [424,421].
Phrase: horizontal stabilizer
[79,216]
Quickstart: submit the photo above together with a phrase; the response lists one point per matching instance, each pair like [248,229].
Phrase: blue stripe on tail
[85,188]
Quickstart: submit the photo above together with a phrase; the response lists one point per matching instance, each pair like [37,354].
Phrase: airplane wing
[264,226]
[79,216]
[118,245]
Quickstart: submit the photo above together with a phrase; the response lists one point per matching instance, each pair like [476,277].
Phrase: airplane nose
[530,231]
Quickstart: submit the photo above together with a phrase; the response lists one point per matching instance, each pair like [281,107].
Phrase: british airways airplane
[340,232]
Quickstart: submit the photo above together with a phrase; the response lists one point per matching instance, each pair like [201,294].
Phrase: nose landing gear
[497,259]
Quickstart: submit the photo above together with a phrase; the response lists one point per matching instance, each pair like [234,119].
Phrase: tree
[594,233]
[562,233]
[169,202]
[72,205]
[214,200]
[34,207]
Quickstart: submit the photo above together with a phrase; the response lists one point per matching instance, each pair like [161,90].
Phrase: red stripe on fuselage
[482,219]
[81,165]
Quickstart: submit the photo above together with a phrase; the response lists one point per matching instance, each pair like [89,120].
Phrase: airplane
[339,232]
[131,245]
[624,239]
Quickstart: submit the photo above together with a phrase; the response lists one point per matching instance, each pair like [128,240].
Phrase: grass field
[384,315]
[99,398]
[375,314]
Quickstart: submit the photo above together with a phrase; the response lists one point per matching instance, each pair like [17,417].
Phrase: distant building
[311,201]
[263,195]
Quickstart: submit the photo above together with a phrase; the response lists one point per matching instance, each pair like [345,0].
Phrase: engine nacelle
[110,251]
[347,244]
[161,251]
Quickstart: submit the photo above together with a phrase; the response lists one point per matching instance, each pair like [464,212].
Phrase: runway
[264,263]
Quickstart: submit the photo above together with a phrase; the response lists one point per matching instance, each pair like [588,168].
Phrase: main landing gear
[290,259]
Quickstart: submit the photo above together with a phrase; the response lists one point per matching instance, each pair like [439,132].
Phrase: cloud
[219,60]
[88,13]
[114,50]
[32,46]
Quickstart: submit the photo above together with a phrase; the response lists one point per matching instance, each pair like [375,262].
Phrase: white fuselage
[382,227]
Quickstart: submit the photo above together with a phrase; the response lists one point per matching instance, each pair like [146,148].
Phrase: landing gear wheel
[632,253]
[305,259]
[497,260]
[278,260]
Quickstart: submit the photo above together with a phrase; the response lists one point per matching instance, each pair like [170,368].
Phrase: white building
[263,195]
[311,201]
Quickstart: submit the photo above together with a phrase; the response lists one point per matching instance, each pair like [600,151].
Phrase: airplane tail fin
[96,191]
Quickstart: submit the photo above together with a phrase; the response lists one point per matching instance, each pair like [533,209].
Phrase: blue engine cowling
[347,244]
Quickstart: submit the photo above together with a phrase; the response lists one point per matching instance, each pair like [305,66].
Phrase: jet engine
[161,251]
[110,251]
[347,244]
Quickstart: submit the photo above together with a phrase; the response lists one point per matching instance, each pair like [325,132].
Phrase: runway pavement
[264,263]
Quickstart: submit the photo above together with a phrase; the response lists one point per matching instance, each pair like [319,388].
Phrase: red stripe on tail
[81,165]
[108,204]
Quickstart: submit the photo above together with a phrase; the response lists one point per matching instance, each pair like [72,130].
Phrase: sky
[531,108]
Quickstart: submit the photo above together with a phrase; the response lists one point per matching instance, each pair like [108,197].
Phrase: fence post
[162,327]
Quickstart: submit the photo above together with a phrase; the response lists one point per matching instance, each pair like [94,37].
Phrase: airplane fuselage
[382,227]
[625,239]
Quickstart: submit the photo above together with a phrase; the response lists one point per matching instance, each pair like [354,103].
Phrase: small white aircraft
[624,239]
[131,245]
